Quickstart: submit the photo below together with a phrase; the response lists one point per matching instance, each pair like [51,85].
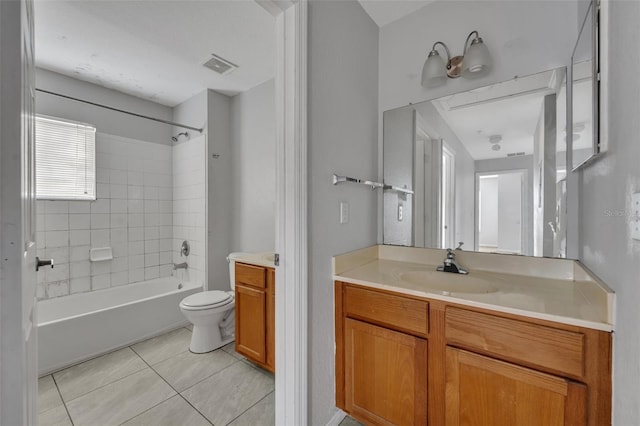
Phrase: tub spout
[182,265]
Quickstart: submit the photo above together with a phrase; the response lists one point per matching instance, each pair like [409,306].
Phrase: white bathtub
[74,328]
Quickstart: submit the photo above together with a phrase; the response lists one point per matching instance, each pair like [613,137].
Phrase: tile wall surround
[189,206]
[133,214]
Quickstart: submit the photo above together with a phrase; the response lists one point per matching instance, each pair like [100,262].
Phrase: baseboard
[337,418]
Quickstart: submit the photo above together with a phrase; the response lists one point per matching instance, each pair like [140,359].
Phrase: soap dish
[100,254]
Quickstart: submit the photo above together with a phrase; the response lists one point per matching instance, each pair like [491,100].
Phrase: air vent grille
[220,65]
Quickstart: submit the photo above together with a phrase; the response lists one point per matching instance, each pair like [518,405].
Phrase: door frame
[291,210]
[525,207]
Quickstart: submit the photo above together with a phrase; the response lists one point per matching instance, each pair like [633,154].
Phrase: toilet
[212,314]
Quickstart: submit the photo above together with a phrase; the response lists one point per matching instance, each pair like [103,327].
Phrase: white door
[18,332]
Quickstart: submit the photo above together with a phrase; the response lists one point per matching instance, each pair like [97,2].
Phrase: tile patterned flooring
[159,382]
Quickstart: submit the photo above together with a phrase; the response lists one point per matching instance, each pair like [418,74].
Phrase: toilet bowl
[210,312]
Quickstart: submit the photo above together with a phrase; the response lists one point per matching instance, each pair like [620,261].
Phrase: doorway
[500,208]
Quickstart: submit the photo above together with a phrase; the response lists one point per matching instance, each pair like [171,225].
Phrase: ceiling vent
[219,65]
[515,154]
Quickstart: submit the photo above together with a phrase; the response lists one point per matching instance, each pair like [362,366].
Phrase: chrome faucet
[182,265]
[450,264]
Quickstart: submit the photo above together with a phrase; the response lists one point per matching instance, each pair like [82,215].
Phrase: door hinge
[276,259]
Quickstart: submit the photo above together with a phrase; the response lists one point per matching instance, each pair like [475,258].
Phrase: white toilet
[212,314]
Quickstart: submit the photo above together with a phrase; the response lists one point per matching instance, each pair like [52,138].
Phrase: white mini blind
[65,160]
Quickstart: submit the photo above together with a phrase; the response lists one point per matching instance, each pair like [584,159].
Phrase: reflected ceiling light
[475,62]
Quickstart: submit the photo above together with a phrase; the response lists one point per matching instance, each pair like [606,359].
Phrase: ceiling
[155,49]
[510,110]
[384,12]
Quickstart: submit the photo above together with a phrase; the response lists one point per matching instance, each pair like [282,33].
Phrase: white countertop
[260,259]
[576,297]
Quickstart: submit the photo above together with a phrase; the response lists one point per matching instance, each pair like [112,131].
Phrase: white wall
[605,194]
[523,37]
[343,104]
[189,207]
[110,122]
[220,191]
[488,233]
[253,161]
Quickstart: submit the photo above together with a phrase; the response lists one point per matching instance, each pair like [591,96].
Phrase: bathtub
[75,328]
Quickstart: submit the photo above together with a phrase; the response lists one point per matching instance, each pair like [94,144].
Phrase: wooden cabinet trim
[393,311]
[534,345]
[250,330]
[251,275]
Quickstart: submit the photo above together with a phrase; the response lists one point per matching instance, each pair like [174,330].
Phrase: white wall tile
[80,221]
[56,238]
[79,253]
[100,206]
[118,220]
[118,177]
[136,234]
[119,278]
[136,275]
[58,254]
[135,206]
[80,285]
[134,192]
[152,219]
[100,238]
[165,270]
[56,222]
[151,273]
[119,264]
[98,282]
[136,261]
[119,191]
[59,272]
[166,245]
[151,233]
[151,259]
[102,175]
[134,178]
[100,221]
[80,237]
[136,247]
[118,235]
[166,257]
[120,249]
[136,220]
[103,191]
[119,205]
[57,289]
[151,246]
[56,207]
[80,269]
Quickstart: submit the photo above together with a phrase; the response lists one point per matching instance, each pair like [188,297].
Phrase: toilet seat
[206,300]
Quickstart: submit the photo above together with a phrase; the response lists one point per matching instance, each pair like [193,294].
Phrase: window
[65,160]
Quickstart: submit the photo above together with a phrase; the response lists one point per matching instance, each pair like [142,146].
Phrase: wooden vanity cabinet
[255,317]
[475,366]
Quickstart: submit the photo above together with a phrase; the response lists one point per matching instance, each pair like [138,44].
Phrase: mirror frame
[593,11]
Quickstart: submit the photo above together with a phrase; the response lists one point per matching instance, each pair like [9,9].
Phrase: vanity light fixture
[475,62]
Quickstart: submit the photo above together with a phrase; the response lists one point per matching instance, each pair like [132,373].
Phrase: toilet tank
[231,259]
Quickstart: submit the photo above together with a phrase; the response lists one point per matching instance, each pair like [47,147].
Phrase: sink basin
[447,283]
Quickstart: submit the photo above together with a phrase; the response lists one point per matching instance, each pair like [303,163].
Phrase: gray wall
[220,193]
[343,103]
[253,159]
[605,195]
[106,121]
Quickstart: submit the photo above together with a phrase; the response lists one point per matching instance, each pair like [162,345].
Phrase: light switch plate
[344,212]
[635,216]
[400,212]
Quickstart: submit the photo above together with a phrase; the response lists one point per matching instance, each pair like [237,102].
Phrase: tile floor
[159,382]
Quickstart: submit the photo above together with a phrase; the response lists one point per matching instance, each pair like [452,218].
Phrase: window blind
[65,160]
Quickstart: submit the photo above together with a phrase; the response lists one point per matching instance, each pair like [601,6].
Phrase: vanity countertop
[260,259]
[557,290]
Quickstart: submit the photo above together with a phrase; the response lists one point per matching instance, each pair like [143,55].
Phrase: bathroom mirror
[487,168]
[586,90]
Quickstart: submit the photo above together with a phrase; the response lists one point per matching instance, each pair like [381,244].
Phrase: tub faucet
[450,264]
[182,265]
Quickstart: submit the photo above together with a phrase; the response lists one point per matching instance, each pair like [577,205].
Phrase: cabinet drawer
[398,312]
[254,276]
[537,345]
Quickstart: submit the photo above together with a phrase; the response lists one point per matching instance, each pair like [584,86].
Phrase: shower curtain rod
[160,120]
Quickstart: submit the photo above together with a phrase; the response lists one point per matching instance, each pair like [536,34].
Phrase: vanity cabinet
[408,360]
[255,318]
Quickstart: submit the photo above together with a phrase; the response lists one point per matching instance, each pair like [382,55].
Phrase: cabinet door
[271,320]
[486,392]
[250,322]
[386,375]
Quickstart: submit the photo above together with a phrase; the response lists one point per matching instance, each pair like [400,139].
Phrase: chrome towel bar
[374,185]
